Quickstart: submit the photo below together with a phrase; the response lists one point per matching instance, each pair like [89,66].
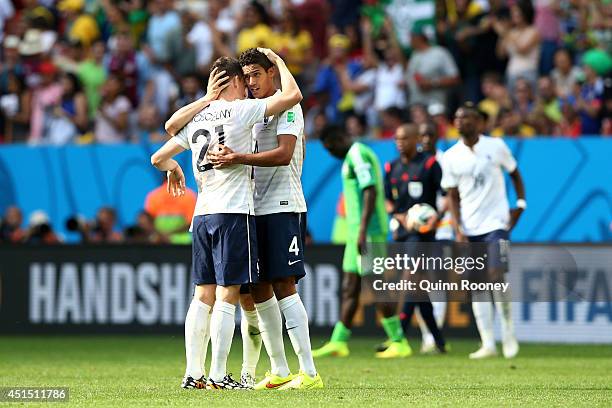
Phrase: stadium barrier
[567,184]
[145,289]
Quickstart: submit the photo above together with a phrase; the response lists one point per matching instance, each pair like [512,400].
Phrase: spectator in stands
[548,25]
[294,45]
[547,101]
[11,65]
[565,75]
[144,231]
[191,90]
[15,108]
[389,85]
[461,36]
[163,31]
[496,96]
[67,119]
[443,126]
[79,26]
[172,214]
[10,226]
[419,114]
[391,119]
[512,125]
[39,230]
[200,36]
[131,65]
[44,98]
[588,101]
[111,124]
[431,71]
[104,228]
[523,97]
[327,86]
[255,31]
[570,121]
[92,74]
[356,127]
[149,128]
[520,41]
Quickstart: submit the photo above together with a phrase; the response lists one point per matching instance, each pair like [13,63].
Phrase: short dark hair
[230,65]
[527,10]
[253,56]
[332,132]
[470,108]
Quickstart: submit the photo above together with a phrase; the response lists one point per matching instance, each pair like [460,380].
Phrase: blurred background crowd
[110,71]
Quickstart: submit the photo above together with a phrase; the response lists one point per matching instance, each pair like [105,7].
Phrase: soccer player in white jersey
[224,242]
[280,217]
[472,173]
[280,211]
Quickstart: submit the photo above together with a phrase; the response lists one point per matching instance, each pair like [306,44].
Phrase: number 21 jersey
[228,190]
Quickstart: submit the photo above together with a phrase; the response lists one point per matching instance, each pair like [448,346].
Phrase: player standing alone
[224,242]
[472,173]
[366,220]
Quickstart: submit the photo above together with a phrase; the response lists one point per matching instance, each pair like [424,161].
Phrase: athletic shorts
[352,262]
[497,248]
[280,245]
[224,249]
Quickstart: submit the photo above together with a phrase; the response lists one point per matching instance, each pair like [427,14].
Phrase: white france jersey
[229,190]
[478,176]
[279,189]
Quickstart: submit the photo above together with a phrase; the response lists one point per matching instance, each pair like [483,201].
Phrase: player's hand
[176,182]
[217,82]
[222,157]
[460,237]
[515,214]
[362,242]
[272,56]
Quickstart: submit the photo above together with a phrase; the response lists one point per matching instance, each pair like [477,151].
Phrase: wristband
[521,203]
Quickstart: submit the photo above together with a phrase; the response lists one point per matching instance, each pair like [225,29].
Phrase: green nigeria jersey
[361,169]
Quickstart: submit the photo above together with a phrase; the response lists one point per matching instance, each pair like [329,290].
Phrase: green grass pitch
[146,372]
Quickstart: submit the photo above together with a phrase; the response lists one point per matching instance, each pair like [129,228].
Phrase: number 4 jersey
[228,190]
[279,189]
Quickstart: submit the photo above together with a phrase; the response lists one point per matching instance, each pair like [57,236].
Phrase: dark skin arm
[453,206]
[369,202]
[519,187]
[280,156]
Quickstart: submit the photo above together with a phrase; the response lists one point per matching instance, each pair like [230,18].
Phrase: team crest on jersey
[415,189]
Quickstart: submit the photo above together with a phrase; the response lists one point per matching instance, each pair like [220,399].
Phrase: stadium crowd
[106,71]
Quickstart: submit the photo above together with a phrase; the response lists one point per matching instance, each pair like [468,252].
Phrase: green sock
[393,328]
[341,333]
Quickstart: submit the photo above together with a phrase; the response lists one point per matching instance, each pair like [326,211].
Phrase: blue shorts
[497,248]
[224,249]
[280,245]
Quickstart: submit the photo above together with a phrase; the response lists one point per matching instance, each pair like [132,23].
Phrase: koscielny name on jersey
[215,115]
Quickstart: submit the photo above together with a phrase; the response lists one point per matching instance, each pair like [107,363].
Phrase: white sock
[206,342]
[483,313]
[271,328]
[426,336]
[196,324]
[296,321]
[503,305]
[439,311]
[251,341]
[222,323]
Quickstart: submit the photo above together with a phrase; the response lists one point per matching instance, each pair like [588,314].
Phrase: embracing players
[224,242]
[280,220]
